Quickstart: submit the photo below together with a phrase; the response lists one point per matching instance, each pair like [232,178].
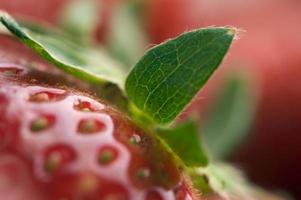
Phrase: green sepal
[79,18]
[87,63]
[230,117]
[126,39]
[228,182]
[184,141]
[169,75]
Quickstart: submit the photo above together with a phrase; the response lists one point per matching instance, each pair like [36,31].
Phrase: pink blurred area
[269,50]
[49,11]
[34,9]
[15,180]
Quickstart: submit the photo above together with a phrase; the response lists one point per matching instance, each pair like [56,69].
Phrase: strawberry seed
[41,123]
[90,126]
[107,155]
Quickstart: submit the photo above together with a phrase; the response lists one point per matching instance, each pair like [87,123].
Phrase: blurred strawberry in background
[38,10]
[269,51]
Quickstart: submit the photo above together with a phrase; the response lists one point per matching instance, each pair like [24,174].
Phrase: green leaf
[185,142]
[226,180]
[126,39]
[169,75]
[89,64]
[80,18]
[229,183]
[228,123]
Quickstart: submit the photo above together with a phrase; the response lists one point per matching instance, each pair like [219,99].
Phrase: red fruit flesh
[66,145]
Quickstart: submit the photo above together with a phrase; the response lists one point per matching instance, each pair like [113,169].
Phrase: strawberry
[59,143]
[63,144]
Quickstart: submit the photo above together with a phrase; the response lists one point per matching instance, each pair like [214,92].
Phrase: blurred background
[267,53]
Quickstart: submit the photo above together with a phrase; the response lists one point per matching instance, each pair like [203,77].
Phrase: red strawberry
[62,144]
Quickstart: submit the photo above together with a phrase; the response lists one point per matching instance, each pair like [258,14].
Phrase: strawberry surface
[58,143]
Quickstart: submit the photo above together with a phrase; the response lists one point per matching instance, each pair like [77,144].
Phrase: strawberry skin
[62,144]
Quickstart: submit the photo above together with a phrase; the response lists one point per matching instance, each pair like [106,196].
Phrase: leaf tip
[234,32]
[3,14]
